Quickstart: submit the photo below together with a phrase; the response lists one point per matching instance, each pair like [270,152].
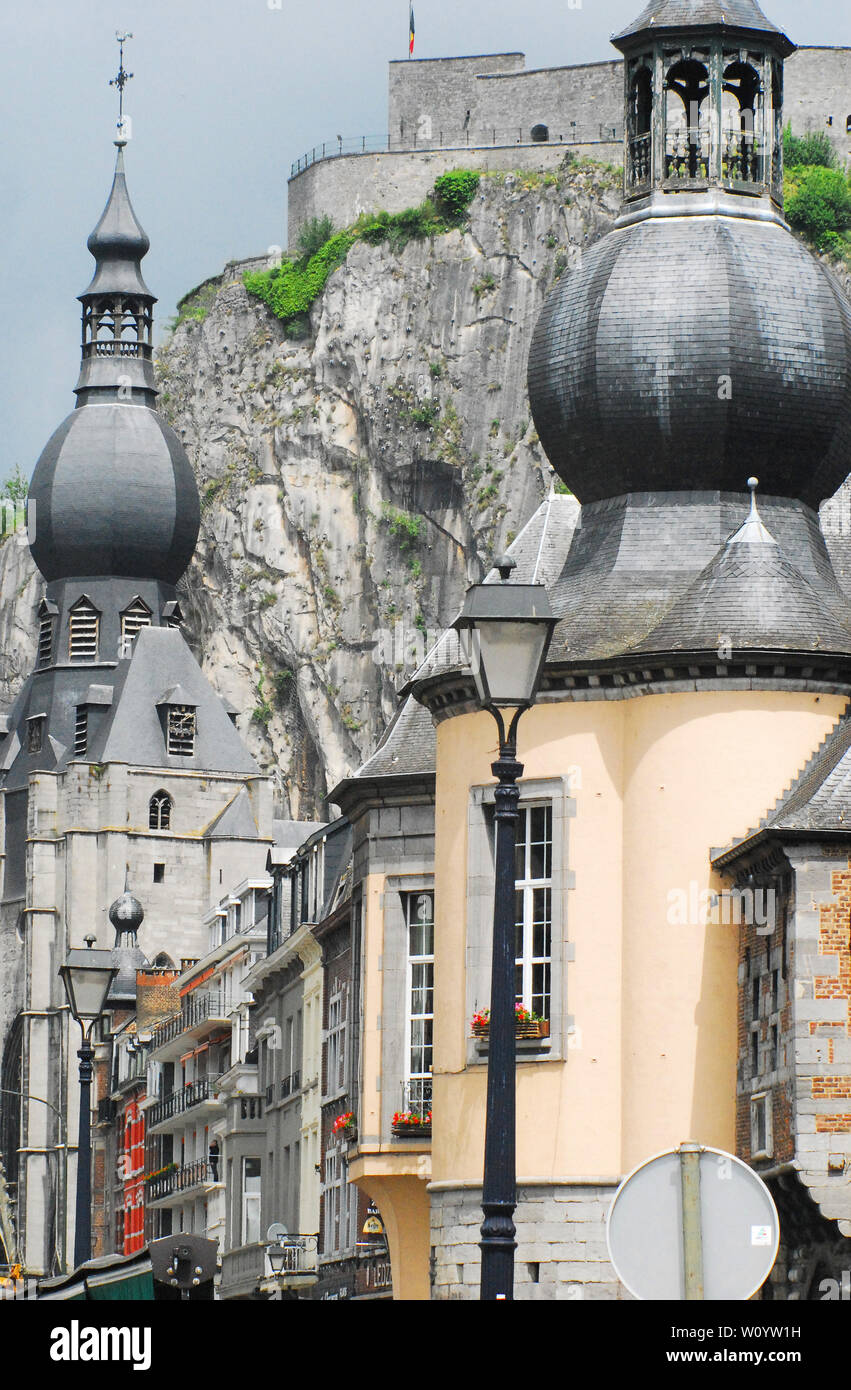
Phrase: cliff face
[354,481]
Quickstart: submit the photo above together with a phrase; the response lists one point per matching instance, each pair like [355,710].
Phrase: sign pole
[692,1234]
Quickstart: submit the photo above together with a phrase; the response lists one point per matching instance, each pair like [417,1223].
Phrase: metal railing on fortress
[569,133]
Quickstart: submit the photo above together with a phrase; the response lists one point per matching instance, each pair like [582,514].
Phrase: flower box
[526,1025]
[408,1124]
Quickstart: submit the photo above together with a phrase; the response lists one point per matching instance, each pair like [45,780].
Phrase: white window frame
[417,1089]
[761,1103]
[251,1203]
[336,1039]
[481,846]
[535,1002]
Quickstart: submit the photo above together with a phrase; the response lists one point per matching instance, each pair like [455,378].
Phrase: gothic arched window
[159,811]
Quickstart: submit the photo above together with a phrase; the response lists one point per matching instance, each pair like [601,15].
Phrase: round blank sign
[737,1222]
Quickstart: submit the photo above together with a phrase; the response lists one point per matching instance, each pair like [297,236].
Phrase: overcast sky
[225,95]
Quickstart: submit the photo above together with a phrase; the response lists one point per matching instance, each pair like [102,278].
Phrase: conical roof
[750,597]
[118,243]
[683,14]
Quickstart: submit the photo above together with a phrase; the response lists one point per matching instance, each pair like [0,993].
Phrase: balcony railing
[639,161]
[179,1179]
[290,1084]
[180,1101]
[195,1010]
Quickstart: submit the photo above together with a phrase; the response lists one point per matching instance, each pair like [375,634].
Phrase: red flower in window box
[412,1122]
[526,1024]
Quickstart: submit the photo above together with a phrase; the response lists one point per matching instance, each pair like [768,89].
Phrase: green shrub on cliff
[818,204]
[453,192]
[291,288]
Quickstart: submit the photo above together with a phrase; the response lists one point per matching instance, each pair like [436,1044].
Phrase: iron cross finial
[121,79]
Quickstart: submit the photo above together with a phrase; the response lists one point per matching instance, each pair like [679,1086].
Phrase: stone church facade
[118,759]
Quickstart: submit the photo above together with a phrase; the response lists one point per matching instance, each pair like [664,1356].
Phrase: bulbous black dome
[114,494]
[688,351]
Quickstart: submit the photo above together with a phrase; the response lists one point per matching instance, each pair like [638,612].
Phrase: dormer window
[135,617]
[180,730]
[159,811]
[172,614]
[81,731]
[84,630]
[46,630]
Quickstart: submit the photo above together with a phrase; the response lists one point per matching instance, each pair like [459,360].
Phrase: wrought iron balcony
[180,1101]
[197,1009]
[179,1179]
[290,1084]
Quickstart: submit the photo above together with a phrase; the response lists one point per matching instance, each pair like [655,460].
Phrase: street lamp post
[505,630]
[87,976]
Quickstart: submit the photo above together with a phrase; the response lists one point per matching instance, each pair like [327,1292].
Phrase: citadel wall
[480,112]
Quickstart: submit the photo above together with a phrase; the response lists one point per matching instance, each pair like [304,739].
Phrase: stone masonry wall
[561,1242]
[818,91]
[426,93]
[346,185]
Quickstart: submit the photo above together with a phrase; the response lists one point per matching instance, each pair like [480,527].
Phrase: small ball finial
[753,483]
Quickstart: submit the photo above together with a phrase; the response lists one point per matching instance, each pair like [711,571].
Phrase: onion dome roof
[118,243]
[115,495]
[684,345]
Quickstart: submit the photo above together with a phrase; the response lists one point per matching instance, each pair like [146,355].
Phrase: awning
[115,1278]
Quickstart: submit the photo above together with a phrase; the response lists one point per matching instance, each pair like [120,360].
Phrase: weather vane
[120,81]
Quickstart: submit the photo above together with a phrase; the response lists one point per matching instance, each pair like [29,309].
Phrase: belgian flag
[411,33]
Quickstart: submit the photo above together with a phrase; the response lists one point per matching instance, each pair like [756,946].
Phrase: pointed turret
[118,307]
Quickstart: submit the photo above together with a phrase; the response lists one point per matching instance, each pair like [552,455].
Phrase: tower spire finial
[120,81]
[753,484]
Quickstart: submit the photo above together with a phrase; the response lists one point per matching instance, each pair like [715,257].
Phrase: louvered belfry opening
[181,730]
[134,617]
[45,640]
[84,628]
[81,731]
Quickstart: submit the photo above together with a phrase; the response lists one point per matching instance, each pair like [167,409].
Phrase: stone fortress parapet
[491,112]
